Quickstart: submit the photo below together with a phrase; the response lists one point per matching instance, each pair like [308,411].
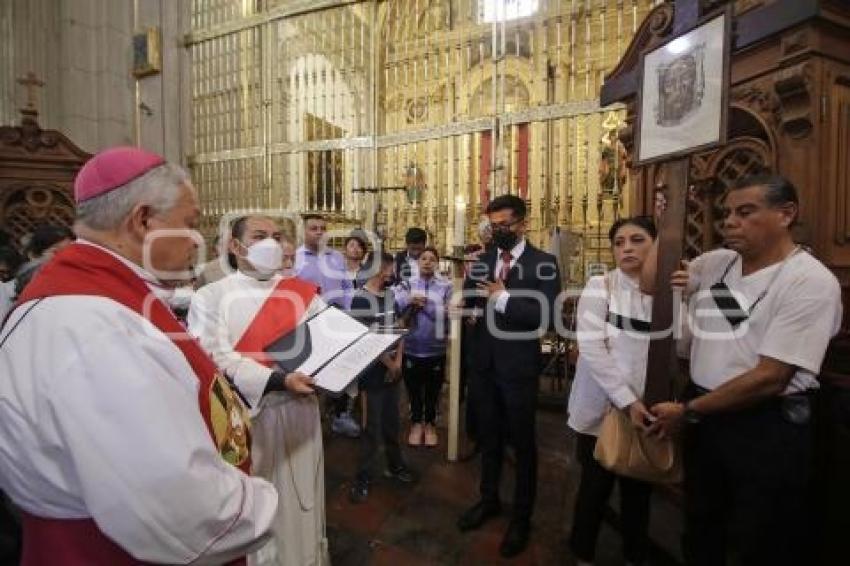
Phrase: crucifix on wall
[30,82]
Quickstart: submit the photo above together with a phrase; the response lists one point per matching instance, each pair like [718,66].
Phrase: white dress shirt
[611,368]
[516,251]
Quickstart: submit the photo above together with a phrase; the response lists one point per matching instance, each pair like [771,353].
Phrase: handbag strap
[606,280]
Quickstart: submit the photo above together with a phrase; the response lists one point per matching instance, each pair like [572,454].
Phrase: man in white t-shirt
[761,314]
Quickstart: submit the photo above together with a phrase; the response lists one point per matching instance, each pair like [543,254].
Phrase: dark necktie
[506,258]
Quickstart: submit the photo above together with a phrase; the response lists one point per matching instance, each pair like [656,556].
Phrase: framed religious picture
[147,57]
[682,100]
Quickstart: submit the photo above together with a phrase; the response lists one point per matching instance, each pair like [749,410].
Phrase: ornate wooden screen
[37,169]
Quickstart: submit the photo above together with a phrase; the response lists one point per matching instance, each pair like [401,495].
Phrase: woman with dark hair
[613,336]
[426,297]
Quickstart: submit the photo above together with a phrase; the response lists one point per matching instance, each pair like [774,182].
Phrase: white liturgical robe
[99,419]
[287,434]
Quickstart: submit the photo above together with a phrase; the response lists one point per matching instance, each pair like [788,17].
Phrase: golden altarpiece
[387,113]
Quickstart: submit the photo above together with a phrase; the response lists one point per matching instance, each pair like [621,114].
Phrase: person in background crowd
[342,421]
[315,261]
[427,297]
[10,262]
[762,313]
[518,285]
[612,328]
[216,267]
[374,304]
[406,261]
[355,248]
[45,240]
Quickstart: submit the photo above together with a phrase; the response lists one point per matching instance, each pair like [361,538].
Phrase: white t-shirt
[800,310]
[611,368]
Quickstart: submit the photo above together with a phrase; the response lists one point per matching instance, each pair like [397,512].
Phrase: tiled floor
[415,524]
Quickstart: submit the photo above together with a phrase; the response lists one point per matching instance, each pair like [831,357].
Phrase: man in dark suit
[517,286]
[406,261]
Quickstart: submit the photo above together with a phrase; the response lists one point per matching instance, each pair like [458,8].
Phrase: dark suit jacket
[509,357]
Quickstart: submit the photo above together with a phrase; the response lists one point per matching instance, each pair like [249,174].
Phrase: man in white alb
[761,314]
[236,319]
[119,439]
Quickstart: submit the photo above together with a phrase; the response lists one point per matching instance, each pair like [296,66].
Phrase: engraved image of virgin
[681,85]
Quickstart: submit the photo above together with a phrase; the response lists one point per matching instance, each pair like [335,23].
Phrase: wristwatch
[691,416]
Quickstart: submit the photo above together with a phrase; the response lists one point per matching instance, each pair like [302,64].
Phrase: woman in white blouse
[612,330]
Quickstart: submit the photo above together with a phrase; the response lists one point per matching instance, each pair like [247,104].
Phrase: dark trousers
[506,413]
[594,490]
[424,380]
[382,428]
[747,478]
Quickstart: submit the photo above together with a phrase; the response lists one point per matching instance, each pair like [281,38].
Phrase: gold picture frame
[147,56]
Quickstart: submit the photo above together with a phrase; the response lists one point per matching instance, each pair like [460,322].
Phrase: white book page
[331,331]
[344,368]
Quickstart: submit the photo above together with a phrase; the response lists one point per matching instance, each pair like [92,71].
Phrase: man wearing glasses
[517,285]
[762,313]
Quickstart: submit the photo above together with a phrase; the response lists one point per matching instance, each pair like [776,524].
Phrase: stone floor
[415,524]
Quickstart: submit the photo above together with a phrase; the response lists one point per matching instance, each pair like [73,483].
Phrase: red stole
[81,269]
[278,315]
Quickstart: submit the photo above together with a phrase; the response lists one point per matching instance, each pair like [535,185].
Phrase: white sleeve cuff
[623,397]
[502,302]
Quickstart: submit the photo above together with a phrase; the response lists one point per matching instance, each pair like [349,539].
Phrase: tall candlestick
[460,221]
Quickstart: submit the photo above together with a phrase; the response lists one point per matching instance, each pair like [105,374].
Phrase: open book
[332,347]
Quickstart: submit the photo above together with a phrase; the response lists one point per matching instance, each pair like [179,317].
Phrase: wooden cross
[30,81]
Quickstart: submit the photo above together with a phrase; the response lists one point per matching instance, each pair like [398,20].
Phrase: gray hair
[158,188]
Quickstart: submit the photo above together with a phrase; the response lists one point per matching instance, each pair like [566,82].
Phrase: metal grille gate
[386,113]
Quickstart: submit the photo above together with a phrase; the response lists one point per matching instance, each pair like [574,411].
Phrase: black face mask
[505,239]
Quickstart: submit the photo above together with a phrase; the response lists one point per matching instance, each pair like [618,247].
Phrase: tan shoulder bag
[626,451]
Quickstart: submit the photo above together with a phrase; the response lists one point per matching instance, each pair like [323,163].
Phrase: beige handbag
[626,451]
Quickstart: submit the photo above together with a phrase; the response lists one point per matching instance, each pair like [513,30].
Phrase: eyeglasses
[505,226]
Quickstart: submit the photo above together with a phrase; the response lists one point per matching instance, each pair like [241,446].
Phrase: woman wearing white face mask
[235,319]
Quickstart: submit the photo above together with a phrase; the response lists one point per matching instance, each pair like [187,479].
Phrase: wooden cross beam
[30,82]
[662,365]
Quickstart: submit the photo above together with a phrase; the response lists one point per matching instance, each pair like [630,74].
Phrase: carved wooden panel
[37,170]
[840,137]
[25,206]
[712,173]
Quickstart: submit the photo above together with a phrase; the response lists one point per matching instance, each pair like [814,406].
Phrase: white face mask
[266,256]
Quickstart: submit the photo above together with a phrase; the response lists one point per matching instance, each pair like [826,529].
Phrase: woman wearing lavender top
[426,297]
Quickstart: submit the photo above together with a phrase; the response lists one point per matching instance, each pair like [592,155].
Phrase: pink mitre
[113,168]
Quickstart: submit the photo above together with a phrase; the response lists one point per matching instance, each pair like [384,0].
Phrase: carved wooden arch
[712,174]
[37,170]
[25,205]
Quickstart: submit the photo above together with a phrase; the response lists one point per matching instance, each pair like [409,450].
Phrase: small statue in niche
[612,163]
[414,181]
